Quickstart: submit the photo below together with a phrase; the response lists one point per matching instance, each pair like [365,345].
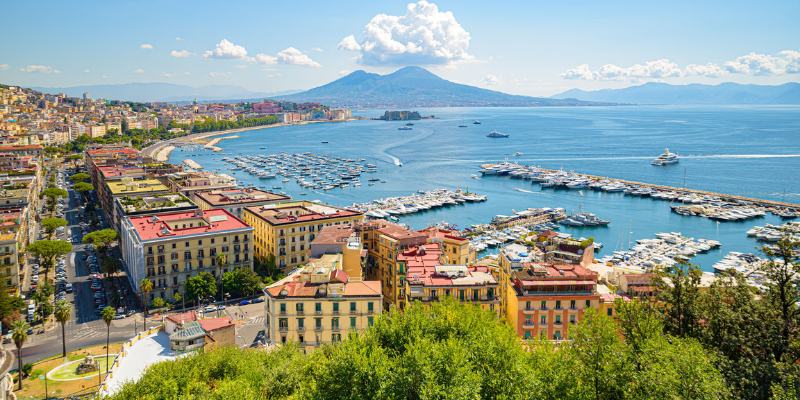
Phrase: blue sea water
[746,150]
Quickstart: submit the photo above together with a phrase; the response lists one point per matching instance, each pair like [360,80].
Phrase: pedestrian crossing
[84,333]
[258,320]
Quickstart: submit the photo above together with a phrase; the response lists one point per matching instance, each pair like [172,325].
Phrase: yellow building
[456,248]
[169,248]
[12,239]
[235,200]
[319,304]
[285,230]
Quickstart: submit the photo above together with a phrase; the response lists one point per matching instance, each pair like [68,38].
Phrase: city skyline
[521,48]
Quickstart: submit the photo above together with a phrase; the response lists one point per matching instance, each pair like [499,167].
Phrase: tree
[680,297]
[79,177]
[62,313]
[241,282]
[201,286]
[48,250]
[9,305]
[159,302]
[19,334]
[782,287]
[53,194]
[83,188]
[221,261]
[146,286]
[597,349]
[51,224]
[101,239]
[110,266]
[108,315]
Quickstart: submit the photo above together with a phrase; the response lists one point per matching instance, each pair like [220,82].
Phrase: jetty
[192,164]
[211,145]
[717,206]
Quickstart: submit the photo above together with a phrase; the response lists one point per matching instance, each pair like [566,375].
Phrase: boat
[517,154]
[404,128]
[409,124]
[665,158]
[462,126]
[496,134]
[324,142]
[476,122]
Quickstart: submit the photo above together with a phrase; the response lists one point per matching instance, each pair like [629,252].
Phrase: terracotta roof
[533,273]
[182,317]
[434,232]
[639,279]
[426,255]
[177,224]
[223,197]
[334,234]
[298,212]
[212,324]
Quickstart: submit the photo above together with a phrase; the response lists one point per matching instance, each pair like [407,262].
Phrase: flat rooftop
[299,212]
[136,186]
[116,171]
[186,223]
[171,201]
[451,275]
[224,197]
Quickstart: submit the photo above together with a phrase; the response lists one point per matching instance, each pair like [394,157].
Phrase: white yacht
[665,158]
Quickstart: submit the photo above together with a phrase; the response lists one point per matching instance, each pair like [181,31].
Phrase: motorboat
[666,158]
[496,134]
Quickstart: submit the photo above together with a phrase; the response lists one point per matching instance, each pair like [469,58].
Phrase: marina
[747,264]
[667,249]
[192,164]
[772,233]
[391,207]
[308,170]
[715,206]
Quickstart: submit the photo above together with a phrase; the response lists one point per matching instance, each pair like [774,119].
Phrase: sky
[530,47]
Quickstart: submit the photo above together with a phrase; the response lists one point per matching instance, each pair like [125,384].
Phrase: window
[543,305]
[527,335]
[543,320]
[588,303]
[301,323]
[558,320]
[352,322]
[335,323]
[283,324]
[609,311]
[299,308]
[283,308]
[352,307]
[572,304]
[370,320]
[318,323]
[572,319]
[336,308]
[318,308]
[558,304]
[370,307]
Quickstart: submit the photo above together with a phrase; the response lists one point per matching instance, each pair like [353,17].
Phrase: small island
[402,116]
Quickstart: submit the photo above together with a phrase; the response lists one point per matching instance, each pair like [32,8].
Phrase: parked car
[258,300]
[244,302]
[210,308]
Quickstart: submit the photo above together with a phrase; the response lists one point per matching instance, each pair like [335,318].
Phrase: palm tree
[19,333]
[62,313]
[108,315]
[222,260]
[146,285]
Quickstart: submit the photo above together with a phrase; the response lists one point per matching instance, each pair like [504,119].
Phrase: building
[187,332]
[638,285]
[457,249]
[544,300]
[189,183]
[319,304]
[286,230]
[234,200]
[11,241]
[342,239]
[145,204]
[467,284]
[169,248]
[128,187]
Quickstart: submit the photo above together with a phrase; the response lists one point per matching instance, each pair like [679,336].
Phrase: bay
[752,151]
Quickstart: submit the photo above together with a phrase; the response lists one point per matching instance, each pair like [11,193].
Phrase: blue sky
[523,47]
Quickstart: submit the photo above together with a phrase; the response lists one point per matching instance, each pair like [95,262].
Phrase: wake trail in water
[525,191]
[396,160]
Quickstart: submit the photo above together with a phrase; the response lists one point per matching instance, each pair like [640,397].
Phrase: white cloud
[178,39]
[344,72]
[39,69]
[226,49]
[318,49]
[180,53]
[146,46]
[138,71]
[349,43]
[754,64]
[580,72]
[291,55]
[218,74]
[3,67]
[86,71]
[708,70]
[266,59]
[490,80]
[167,74]
[424,35]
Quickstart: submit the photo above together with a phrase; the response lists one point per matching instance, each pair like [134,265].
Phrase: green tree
[782,287]
[47,251]
[53,194]
[146,286]
[201,286]
[50,224]
[159,302]
[83,188]
[63,312]
[19,334]
[241,282]
[600,354]
[79,177]
[108,315]
[680,297]
[101,239]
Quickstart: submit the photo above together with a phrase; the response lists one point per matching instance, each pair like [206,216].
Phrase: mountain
[160,92]
[413,87]
[662,93]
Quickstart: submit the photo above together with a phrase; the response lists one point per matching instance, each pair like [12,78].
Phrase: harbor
[392,207]
[773,233]
[715,206]
[665,250]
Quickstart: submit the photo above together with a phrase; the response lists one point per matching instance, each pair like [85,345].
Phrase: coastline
[160,151]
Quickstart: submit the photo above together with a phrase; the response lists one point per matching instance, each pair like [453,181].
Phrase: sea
[749,150]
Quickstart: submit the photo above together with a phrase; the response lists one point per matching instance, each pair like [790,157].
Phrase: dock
[192,164]
[780,208]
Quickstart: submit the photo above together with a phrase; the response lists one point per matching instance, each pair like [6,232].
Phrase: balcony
[318,329]
[301,328]
[283,328]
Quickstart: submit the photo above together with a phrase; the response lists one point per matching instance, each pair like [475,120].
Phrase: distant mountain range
[414,87]
[156,91]
[662,93]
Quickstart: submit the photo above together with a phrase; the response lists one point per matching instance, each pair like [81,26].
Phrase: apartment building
[169,248]
[286,230]
[319,304]
[189,183]
[235,200]
[139,204]
[428,281]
